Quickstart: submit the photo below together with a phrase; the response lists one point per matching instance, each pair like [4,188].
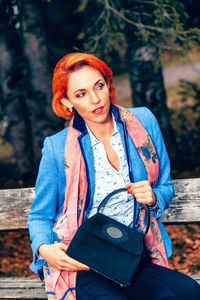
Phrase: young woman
[105,147]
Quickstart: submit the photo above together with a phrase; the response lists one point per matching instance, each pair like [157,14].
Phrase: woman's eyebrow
[81,90]
[98,81]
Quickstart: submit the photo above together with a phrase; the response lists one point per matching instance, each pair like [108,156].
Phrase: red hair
[68,64]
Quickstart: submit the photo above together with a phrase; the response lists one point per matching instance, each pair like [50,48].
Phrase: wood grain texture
[21,288]
[185,206]
[30,288]
[196,277]
[15,205]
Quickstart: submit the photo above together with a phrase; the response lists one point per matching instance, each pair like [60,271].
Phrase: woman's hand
[142,192]
[55,256]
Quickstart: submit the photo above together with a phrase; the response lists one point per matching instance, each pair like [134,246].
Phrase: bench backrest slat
[14,207]
[185,207]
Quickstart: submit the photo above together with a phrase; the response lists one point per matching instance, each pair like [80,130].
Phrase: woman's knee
[193,290]
[190,289]
[180,286]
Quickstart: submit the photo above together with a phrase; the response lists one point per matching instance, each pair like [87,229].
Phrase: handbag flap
[114,232]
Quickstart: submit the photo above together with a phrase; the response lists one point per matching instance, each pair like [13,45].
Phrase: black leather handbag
[108,246]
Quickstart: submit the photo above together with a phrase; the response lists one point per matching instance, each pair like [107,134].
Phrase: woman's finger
[142,190]
[69,267]
[138,184]
[143,195]
[74,262]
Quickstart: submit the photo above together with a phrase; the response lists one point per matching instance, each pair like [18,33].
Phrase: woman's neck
[102,131]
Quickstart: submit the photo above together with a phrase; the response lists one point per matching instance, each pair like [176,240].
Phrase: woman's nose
[94,97]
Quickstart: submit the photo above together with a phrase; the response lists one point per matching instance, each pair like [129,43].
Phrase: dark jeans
[152,283]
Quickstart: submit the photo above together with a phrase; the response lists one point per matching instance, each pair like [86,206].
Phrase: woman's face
[89,94]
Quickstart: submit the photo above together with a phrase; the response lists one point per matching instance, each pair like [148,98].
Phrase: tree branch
[137,25]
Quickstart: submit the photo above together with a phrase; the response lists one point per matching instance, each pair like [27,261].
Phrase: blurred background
[152,46]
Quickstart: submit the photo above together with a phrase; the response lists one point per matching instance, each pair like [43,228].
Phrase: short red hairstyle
[68,64]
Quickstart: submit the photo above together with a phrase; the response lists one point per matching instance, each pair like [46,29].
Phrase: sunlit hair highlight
[67,65]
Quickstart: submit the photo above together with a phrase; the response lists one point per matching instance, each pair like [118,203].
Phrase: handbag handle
[125,190]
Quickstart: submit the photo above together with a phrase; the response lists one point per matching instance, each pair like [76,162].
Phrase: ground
[16,255]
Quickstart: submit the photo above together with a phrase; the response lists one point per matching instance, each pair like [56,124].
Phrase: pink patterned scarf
[61,285]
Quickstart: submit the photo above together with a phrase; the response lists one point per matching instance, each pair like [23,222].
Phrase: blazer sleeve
[43,209]
[164,189]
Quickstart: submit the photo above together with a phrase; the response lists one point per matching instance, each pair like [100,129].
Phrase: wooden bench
[15,205]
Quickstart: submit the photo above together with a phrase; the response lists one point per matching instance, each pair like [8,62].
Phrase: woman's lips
[98,110]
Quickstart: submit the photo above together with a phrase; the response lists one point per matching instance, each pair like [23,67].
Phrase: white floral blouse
[107,179]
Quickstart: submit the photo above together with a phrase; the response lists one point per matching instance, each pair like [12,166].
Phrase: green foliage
[82,6]
[196,267]
[154,22]
[190,90]
[186,121]
[190,229]
[103,26]
[14,272]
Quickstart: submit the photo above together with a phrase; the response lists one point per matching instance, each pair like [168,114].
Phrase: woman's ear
[65,102]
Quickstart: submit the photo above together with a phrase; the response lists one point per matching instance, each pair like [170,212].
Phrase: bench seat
[30,287]
[184,208]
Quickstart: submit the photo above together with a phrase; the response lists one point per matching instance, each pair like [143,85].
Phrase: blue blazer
[51,181]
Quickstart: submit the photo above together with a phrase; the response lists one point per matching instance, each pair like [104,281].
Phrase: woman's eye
[100,86]
[81,94]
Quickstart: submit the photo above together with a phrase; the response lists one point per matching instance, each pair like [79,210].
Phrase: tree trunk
[26,82]
[147,86]
[43,122]
[12,98]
